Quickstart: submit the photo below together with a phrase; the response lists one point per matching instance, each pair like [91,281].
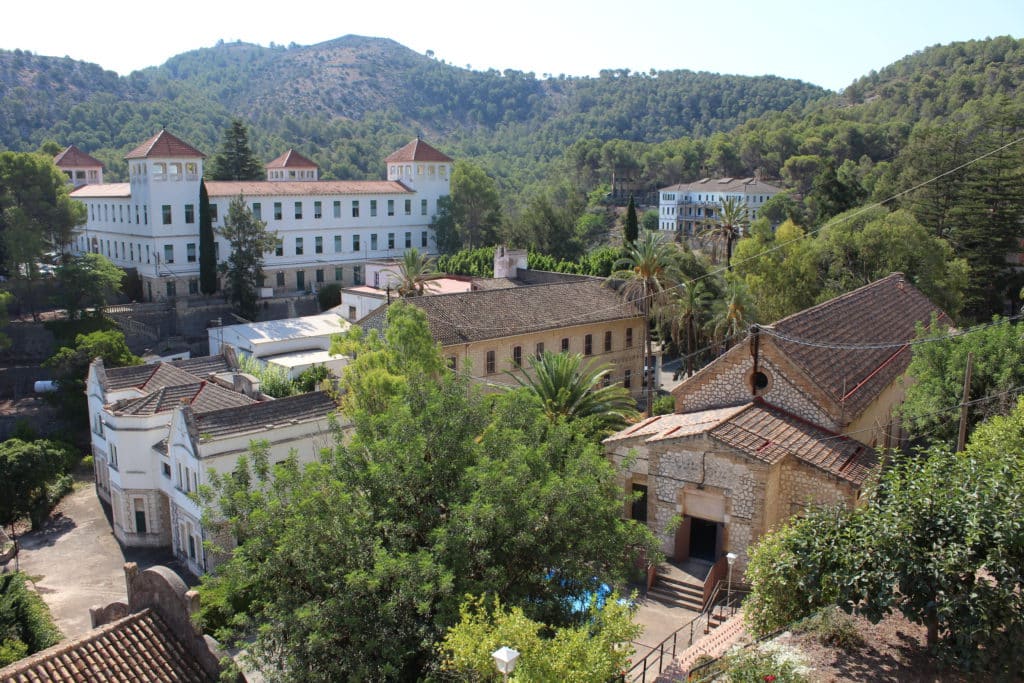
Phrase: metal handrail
[734,600]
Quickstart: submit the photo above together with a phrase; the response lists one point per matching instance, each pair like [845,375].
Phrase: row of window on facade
[421,169]
[375,242]
[173,171]
[319,278]
[116,213]
[490,358]
[759,199]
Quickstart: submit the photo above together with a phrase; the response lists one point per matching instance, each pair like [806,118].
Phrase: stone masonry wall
[731,386]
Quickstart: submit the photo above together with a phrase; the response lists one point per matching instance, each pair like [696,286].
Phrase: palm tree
[646,273]
[571,390]
[684,313]
[415,273]
[732,316]
[726,226]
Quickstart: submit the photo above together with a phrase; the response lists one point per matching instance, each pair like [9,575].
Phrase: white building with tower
[327,229]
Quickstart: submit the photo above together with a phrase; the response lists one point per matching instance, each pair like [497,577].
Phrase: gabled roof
[163,144]
[417,150]
[185,371]
[139,647]
[882,313]
[263,416]
[202,396]
[291,159]
[762,432]
[492,314]
[268,188]
[73,157]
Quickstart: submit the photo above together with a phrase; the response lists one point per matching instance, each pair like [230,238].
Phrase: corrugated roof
[139,647]
[265,415]
[73,157]
[162,145]
[417,150]
[297,188]
[490,314]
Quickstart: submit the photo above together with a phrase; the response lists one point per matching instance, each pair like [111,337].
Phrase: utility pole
[962,439]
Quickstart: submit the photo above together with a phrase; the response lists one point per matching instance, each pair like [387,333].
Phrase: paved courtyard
[76,563]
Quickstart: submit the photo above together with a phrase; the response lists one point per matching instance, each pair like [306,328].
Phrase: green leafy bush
[329,295]
[832,626]
[273,379]
[663,405]
[755,664]
[25,623]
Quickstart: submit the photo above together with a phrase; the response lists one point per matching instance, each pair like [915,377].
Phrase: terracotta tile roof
[103,191]
[763,432]
[675,426]
[73,157]
[291,159]
[288,188]
[884,311]
[185,371]
[139,647]
[747,185]
[417,150]
[491,314]
[163,144]
[265,415]
[767,433]
[202,396]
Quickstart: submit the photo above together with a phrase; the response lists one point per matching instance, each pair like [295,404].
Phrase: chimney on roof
[247,384]
[507,262]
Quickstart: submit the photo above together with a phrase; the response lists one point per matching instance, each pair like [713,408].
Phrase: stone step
[675,599]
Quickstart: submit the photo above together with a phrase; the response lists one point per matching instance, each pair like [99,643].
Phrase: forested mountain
[347,101]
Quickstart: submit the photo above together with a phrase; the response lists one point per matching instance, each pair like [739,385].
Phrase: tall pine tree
[207,247]
[234,160]
[632,228]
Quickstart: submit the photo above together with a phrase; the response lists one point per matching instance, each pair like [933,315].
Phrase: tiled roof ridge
[307,397]
[839,300]
[417,150]
[172,146]
[76,157]
[291,159]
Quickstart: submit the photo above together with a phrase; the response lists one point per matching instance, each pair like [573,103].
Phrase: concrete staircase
[681,585]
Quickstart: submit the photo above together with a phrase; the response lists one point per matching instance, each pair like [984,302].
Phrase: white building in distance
[327,229]
[686,208]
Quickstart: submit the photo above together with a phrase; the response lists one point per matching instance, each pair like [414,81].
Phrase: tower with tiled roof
[424,169]
[292,166]
[80,168]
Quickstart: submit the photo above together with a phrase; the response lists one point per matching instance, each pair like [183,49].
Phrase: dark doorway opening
[640,503]
[703,539]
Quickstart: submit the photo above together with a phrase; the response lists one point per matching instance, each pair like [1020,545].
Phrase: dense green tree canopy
[439,491]
[235,160]
[27,469]
[87,281]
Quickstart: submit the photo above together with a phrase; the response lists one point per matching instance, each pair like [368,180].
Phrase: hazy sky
[826,42]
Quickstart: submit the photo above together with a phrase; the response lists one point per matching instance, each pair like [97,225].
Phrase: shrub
[755,664]
[329,295]
[663,405]
[833,627]
[273,379]
[25,623]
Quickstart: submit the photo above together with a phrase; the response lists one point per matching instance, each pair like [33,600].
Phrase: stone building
[789,418]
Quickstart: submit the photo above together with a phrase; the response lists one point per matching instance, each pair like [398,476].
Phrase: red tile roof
[139,647]
[163,144]
[72,157]
[291,159]
[886,310]
[266,188]
[763,432]
[417,150]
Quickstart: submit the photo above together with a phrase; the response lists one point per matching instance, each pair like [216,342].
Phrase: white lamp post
[505,659]
[730,557]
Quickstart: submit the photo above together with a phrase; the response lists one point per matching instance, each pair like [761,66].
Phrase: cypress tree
[632,228]
[207,253]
